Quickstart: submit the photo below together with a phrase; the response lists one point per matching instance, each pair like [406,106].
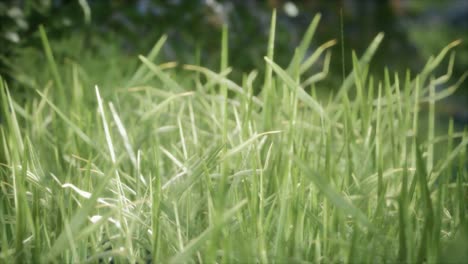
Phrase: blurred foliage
[19,21]
[437,24]
[90,29]
[456,249]
[193,26]
[194,29]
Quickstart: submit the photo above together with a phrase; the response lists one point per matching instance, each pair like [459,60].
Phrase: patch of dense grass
[181,164]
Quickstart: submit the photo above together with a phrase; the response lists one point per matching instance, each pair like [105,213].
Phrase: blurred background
[414,30]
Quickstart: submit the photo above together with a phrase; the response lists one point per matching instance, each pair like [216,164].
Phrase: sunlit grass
[180,164]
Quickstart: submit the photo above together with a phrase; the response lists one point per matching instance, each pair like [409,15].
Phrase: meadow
[150,161]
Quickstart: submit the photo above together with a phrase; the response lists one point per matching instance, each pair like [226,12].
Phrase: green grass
[180,164]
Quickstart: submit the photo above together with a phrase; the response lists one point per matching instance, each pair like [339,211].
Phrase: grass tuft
[170,164]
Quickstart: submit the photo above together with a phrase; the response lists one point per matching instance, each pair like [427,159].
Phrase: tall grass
[184,165]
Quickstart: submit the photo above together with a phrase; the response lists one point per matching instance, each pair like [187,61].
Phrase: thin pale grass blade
[422,173]
[110,145]
[194,172]
[431,129]
[267,84]
[124,135]
[434,62]
[77,190]
[173,159]
[192,123]
[22,112]
[446,92]
[10,114]
[224,92]
[403,217]
[315,56]
[86,11]
[163,66]
[301,94]
[182,137]
[72,126]
[321,75]
[212,82]
[447,162]
[427,231]
[446,77]
[220,79]
[24,222]
[141,71]
[152,112]
[270,53]
[365,59]
[52,63]
[165,78]
[246,143]
[305,42]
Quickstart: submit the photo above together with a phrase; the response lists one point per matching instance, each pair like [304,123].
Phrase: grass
[180,164]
